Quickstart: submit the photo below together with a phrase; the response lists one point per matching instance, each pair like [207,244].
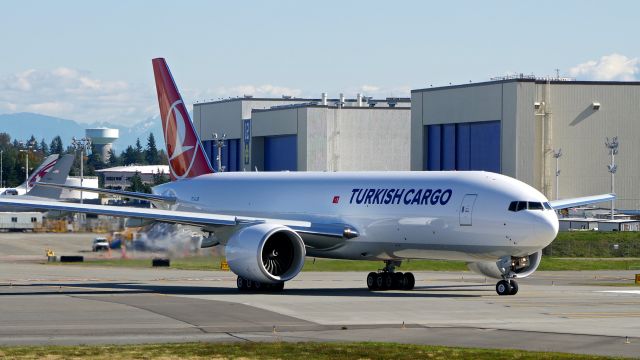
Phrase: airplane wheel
[503,288]
[387,280]
[257,286]
[398,281]
[409,281]
[514,287]
[379,282]
[371,281]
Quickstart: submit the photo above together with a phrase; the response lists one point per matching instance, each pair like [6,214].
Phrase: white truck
[20,221]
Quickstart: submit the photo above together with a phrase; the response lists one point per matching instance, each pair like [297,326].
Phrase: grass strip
[278,350]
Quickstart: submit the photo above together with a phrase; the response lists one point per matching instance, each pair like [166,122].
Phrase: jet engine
[267,253]
[519,267]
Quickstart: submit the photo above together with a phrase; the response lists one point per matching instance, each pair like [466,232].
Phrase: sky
[90,61]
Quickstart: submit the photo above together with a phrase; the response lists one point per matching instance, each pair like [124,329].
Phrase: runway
[561,311]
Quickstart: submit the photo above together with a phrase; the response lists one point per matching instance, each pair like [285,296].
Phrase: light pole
[1,168]
[26,169]
[612,145]
[81,145]
[219,145]
[557,155]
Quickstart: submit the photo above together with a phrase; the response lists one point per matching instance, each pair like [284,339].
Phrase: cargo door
[466,209]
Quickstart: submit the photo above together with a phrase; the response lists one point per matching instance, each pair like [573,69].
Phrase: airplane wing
[573,202]
[204,220]
[127,194]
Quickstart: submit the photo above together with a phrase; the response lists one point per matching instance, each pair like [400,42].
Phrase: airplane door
[466,209]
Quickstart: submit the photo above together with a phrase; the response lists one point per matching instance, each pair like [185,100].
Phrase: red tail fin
[186,155]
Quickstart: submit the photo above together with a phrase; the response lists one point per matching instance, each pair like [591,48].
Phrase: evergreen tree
[113,159]
[129,156]
[151,153]
[160,178]
[139,153]
[44,147]
[137,185]
[56,146]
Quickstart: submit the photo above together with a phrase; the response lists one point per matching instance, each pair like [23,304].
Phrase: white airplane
[35,176]
[269,221]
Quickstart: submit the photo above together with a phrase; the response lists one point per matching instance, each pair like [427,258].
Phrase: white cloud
[380,92]
[264,90]
[608,67]
[75,94]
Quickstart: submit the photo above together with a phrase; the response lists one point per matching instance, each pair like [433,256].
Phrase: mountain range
[22,125]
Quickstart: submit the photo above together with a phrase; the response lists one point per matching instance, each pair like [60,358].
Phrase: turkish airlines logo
[181,142]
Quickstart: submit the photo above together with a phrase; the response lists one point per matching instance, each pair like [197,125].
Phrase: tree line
[15,151]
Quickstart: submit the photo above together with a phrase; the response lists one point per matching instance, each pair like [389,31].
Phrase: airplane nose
[546,228]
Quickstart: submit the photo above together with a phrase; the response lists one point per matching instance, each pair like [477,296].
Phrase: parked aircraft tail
[57,175]
[186,154]
[37,174]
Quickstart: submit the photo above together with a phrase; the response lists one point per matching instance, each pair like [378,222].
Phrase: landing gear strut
[388,279]
[246,285]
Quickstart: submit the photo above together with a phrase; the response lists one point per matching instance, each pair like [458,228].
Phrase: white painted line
[637,292]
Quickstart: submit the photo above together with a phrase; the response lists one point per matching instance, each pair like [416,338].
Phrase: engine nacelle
[267,253]
[519,267]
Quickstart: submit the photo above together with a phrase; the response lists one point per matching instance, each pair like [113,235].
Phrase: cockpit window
[535,206]
[530,205]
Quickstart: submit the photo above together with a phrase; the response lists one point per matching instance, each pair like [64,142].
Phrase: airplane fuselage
[398,215]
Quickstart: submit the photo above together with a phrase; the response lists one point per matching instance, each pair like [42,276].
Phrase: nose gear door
[466,209]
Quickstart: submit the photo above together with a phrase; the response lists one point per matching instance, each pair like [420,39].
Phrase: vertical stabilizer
[40,172]
[186,154]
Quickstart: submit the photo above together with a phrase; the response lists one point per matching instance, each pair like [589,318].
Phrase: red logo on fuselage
[336,199]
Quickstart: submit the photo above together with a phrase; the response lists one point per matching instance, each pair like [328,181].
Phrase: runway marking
[599,315]
[635,292]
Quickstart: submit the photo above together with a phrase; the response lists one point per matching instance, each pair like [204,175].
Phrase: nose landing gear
[388,279]
[506,286]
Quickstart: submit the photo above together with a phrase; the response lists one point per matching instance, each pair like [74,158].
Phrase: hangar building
[275,134]
[514,126]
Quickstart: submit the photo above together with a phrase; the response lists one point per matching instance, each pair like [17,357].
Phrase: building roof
[142,169]
[526,80]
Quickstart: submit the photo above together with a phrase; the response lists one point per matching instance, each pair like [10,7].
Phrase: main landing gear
[247,285]
[388,279]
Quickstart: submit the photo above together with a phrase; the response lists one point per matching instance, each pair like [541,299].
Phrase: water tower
[102,139]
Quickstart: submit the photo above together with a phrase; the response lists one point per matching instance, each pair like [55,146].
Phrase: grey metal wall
[345,139]
[581,131]
[474,103]
[358,139]
[575,127]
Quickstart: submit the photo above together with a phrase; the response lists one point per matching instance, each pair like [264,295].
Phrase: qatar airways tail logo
[181,142]
[40,174]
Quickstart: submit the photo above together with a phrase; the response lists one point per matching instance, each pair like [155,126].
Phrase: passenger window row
[528,205]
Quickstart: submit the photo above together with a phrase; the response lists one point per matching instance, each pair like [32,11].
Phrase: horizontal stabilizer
[586,200]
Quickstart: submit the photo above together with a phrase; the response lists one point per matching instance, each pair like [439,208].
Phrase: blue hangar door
[280,153]
[463,146]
